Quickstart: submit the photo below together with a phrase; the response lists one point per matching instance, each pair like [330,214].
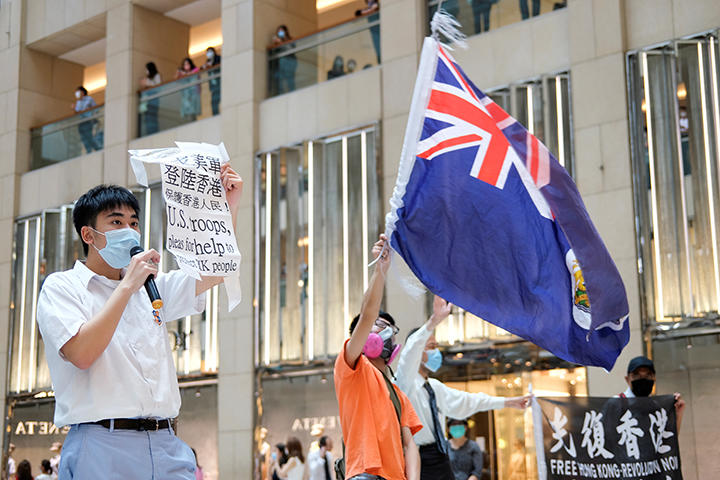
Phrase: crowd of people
[407,424]
[91,135]
[283,68]
[23,470]
[190,104]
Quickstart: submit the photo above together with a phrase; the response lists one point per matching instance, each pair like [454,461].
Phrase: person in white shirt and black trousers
[321,461]
[107,347]
[433,401]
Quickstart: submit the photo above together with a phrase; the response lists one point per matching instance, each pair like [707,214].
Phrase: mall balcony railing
[478,16]
[323,55]
[67,138]
[178,102]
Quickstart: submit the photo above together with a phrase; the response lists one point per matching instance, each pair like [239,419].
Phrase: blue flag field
[487,218]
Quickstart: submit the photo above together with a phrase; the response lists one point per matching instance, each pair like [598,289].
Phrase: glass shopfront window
[674,110]
[675,122]
[508,370]
[543,107]
[47,243]
[318,214]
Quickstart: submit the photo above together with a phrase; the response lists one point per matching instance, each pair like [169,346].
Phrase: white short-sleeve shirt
[135,376]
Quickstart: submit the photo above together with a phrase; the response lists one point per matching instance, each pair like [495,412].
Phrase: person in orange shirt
[378,447]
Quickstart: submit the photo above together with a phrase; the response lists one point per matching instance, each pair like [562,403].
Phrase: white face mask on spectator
[78,94]
[210,54]
[281,33]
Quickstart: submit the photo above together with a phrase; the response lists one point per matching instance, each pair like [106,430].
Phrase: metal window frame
[262,360]
[688,325]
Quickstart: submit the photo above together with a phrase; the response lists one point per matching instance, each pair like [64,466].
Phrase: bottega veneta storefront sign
[38,427]
[616,438]
[306,423]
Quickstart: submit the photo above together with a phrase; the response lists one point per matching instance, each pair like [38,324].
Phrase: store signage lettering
[306,423]
[32,427]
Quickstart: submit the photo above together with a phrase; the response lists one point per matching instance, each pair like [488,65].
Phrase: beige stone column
[135,36]
[400,54]
[243,67]
[10,168]
[602,153]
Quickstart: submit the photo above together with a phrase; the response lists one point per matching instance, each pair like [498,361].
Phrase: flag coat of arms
[487,218]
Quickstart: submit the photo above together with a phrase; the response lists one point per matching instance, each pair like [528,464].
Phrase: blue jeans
[524,9]
[86,135]
[93,451]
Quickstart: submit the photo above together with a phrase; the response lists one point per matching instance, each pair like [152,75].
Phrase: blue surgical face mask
[434,361]
[273,455]
[281,33]
[457,431]
[116,252]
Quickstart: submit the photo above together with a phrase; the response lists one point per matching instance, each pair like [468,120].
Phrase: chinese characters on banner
[200,230]
[591,437]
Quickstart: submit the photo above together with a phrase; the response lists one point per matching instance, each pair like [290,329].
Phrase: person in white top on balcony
[107,348]
[432,400]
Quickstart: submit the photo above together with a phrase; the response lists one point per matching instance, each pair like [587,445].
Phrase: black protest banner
[591,437]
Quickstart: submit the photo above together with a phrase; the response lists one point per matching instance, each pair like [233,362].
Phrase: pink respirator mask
[380,345]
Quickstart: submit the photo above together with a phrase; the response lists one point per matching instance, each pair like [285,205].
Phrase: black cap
[639,362]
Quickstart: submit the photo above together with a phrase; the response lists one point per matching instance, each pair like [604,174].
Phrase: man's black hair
[97,200]
[383,315]
[411,332]
[455,421]
[323,441]
[82,89]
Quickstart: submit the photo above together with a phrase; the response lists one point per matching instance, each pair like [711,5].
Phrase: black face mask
[389,351]
[642,387]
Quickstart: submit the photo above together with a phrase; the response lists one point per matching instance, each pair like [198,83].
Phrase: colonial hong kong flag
[487,218]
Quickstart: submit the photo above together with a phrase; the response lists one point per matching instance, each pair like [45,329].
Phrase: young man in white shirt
[433,401]
[107,348]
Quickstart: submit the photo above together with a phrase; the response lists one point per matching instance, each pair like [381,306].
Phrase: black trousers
[435,465]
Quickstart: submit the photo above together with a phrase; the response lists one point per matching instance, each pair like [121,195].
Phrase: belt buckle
[157,425]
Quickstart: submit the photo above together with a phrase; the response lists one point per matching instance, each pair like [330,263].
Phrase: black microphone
[150,286]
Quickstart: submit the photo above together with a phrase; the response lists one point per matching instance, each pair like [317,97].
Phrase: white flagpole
[538,435]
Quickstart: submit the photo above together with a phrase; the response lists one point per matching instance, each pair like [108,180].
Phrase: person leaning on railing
[149,108]
[213,60]
[284,67]
[372,7]
[85,129]
[190,97]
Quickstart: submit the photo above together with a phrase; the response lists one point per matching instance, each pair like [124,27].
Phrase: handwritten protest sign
[200,231]
[589,437]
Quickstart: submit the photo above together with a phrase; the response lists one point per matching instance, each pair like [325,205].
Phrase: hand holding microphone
[142,270]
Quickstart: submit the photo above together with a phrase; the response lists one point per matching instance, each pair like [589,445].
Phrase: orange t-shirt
[369,422]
